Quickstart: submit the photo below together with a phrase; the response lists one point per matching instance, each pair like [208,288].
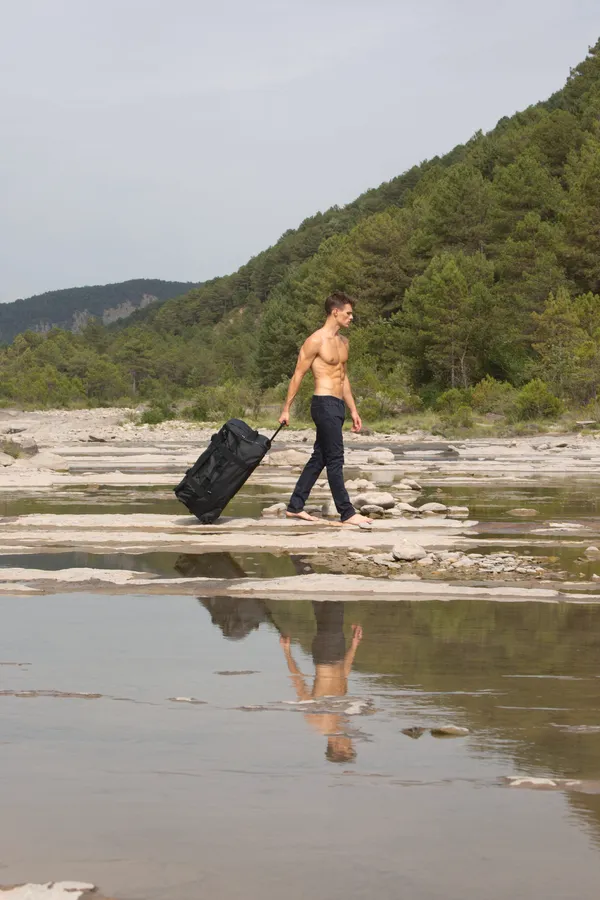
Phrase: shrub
[157,413]
[452,400]
[491,396]
[535,400]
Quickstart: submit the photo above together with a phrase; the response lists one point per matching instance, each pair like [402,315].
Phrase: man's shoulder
[315,339]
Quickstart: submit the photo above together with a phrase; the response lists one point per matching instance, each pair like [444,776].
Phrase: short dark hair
[338,300]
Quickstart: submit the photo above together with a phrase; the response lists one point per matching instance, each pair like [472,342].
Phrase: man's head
[340,749]
[340,307]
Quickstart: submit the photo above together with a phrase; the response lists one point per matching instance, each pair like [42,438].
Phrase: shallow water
[166,565]
[235,797]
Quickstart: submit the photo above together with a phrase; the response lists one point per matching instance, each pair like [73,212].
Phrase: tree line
[477,277]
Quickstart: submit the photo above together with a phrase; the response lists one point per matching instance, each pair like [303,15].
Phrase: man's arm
[350,403]
[306,358]
[357,634]
[297,679]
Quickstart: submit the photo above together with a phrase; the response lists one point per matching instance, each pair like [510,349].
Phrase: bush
[451,401]
[536,401]
[157,413]
[491,396]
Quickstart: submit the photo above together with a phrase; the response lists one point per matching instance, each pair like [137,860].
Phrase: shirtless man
[326,353]
[333,664]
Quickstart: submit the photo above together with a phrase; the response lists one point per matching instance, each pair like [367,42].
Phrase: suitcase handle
[271,439]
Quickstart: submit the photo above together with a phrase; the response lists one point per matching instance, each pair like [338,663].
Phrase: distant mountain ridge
[72,307]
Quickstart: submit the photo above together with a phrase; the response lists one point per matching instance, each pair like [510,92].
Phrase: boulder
[375,498]
[21,445]
[407,551]
[433,508]
[412,484]
[6,459]
[592,551]
[276,510]
[370,509]
[522,511]
[380,456]
[289,458]
[47,460]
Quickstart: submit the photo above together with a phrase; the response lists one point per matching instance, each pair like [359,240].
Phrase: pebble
[449,731]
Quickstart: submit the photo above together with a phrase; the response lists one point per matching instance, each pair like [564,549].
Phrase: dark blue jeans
[328,414]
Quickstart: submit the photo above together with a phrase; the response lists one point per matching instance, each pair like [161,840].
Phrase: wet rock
[414,731]
[449,731]
[408,551]
[412,484]
[289,458]
[522,511]
[277,509]
[433,508]
[376,498]
[6,459]
[370,509]
[592,551]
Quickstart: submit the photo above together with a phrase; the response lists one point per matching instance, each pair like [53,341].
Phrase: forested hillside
[477,273]
[69,308]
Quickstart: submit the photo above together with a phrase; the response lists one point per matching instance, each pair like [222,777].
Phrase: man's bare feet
[358,519]
[302,515]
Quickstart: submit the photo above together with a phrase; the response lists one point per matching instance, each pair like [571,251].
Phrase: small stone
[464,563]
[375,498]
[276,510]
[406,507]
[426,561]
[592,551]
[6,459]
[412,484]
[370,509]
[449,731]
[408,551]
[433,508]
[522,511]
[415,731]
[96,440]
[329,509]
[289,458]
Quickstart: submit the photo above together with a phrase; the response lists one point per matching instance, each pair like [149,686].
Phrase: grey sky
[176,138]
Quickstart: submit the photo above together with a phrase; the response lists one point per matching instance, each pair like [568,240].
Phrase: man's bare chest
[334,352]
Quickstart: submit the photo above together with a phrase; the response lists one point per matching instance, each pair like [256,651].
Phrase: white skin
[325,353]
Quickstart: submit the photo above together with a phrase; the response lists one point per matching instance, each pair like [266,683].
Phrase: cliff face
[71,308]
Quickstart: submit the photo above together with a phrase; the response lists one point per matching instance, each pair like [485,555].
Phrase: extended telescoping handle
[277,432]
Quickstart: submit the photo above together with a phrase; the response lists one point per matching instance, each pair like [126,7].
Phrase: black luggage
[226,464]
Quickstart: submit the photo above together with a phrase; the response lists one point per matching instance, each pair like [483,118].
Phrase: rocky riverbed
[78,480]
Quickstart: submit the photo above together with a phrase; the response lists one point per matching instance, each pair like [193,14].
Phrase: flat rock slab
[57,890]
[140,531]
[298,587]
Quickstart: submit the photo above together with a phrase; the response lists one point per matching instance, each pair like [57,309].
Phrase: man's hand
[284,418]
[356,422]
[357,634]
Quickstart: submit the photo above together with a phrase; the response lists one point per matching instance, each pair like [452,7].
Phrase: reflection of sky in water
[175,797]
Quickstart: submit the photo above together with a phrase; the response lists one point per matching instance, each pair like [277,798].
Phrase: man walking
[326,353]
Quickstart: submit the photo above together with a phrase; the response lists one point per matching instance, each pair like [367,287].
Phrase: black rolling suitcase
[226,464]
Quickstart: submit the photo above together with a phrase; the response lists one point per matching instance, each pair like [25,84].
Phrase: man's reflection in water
[333,664]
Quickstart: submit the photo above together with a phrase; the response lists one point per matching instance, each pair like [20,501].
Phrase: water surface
[248,793]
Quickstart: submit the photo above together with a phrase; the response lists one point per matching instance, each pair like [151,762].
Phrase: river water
[165,748]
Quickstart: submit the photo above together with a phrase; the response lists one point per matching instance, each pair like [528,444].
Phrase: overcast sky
[176,138]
